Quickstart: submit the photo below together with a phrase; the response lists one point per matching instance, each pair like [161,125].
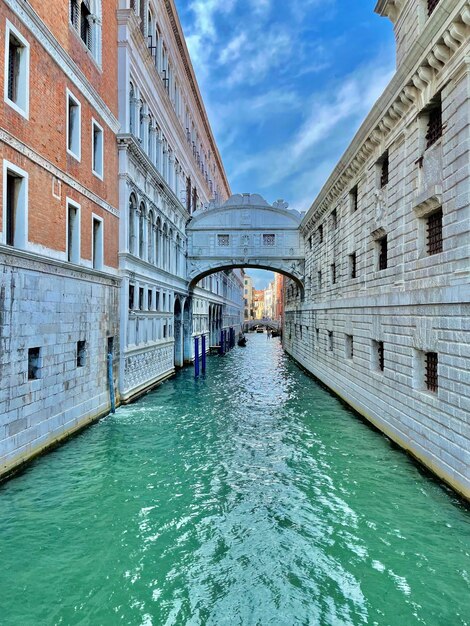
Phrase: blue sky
[286,85]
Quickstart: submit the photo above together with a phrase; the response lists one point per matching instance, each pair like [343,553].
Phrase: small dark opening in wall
[81,353]
[34,356]
[431,371]
[110,345]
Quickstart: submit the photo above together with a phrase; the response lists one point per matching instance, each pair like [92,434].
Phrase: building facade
[101,172]
[385,320]
[169,168]
[248,298]
[59,223]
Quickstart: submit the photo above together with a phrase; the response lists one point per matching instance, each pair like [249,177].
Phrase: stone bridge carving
[246,231]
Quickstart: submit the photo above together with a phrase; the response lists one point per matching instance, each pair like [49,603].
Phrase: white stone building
[169,167]
[385,320]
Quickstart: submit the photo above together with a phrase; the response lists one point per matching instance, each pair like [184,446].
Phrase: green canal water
[251,497]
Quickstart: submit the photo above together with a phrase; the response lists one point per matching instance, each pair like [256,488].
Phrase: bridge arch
[246,231]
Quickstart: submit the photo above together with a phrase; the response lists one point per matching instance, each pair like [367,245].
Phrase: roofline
[184,52]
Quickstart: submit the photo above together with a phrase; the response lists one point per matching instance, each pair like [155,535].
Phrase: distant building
[248,298]
[258,304]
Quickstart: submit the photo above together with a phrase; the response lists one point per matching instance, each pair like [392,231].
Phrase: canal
[250,497]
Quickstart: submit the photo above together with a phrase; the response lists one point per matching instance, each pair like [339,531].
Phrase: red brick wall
[45,131]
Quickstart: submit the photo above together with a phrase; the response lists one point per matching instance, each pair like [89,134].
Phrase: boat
[275,333]
[242,342]
[259,329]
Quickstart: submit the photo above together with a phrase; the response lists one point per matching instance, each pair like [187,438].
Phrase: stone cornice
[434,49]
[38,159]
[183,50]
[390,8]
[43,35]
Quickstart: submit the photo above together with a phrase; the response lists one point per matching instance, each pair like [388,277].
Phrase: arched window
[164,246]
[131,109]
[150,237]
[132,210]
[141,230]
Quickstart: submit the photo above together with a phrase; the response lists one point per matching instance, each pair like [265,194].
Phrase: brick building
[59,219]
[386,317]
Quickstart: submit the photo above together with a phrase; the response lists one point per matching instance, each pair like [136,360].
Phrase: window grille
[434,233]
[14,59]
[269,240]
[382,243]
[380,355]
[384,171]
[223,240]
[354,194]
[431,371]
[319,280]
[320,233]
[349,346]
[434,126]
[81,353]
[334,219]
[432,4]
[352,265]
[333,273]
[330,340]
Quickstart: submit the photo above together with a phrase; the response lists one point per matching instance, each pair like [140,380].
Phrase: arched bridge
[250,324]
[246,231]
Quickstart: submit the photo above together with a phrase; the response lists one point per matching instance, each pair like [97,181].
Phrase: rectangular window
[164,331]
[353,199]
[149,300]
[81,353]
[382,249]
[74,13]
[73,126]
[349,346]
[111,345]
[432,4]
[320,233]
[269,240]
[352,265]
[73,232]
[97,244]
[34,363]
[85,31]
[97,149]
[223,240]
[383,164]
[434,233]
[317,337]
[379,347]
[434,127]
[333,273]
[310,242]
[15,205]
[16,92]
[319,279]
[431,376]
[131,297]
[330,340]
[334,219]
[141,299]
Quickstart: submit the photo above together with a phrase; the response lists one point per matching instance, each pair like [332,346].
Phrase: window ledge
[23,112]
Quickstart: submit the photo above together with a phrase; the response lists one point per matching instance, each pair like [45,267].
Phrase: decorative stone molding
[394,107]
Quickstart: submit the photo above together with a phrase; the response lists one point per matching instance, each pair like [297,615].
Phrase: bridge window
[269,240]
[434,233]
[317,337]
[330,340]
[349,347]
[320,234]
[378,359]
[334,219]
[319,279]
[333,273]
[223,240]
[431,362]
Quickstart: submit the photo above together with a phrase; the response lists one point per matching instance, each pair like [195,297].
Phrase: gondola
[242,342]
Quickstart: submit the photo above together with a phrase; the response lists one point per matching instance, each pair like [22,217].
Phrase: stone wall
[47,305]
[420,302]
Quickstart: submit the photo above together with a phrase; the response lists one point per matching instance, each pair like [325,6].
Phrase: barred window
[379,346]
[320,233]
[330,340]
[434,131]
[434,233]
[333,273]
[432,4]
[384,170]
[223,240]
[334,219]
[431,378]
[269,240]
[383,253]
[353,199]
[319,279]
[352,265]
